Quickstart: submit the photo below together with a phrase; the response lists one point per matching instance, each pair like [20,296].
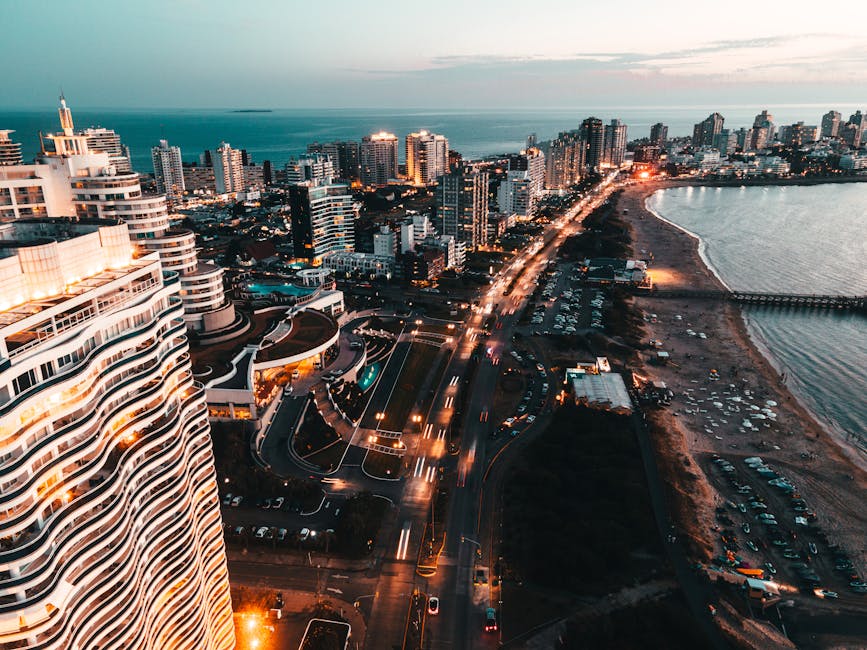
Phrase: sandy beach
[747,410]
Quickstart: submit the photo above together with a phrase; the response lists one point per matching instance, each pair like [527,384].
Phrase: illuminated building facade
[378,158]
[110,530]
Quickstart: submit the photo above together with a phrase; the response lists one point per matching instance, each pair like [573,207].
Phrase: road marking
[483,416]
[419,467]
[431,473]
[428,429]
[454,381]
[403,542]
[449,402]
[441,435]
[334,590]
[462,476]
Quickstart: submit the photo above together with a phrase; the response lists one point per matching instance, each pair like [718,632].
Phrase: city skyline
[191,59]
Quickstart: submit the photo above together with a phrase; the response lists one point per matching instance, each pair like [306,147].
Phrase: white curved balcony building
[110,531]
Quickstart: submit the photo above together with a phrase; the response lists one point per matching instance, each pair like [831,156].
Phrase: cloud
[817,55]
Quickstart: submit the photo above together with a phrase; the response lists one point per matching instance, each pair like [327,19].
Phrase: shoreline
[855,453]
[829,470]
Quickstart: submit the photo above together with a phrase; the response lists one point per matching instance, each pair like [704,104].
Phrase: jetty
[792,300]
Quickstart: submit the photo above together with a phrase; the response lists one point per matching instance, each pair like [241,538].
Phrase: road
[460,623]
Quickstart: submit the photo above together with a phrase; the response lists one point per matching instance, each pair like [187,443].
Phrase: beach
[707,414]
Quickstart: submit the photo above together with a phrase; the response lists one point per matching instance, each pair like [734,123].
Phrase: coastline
[757,341]
[829,471]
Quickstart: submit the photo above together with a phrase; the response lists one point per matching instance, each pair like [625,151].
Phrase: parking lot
[563,304]
[766,525]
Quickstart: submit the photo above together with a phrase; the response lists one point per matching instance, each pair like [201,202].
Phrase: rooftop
[309,329]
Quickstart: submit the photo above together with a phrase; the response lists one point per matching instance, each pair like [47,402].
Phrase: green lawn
[403,398]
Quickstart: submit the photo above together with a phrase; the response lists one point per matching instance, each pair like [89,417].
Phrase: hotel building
[427,157]
[110,534]
[168,170]
[378,158]
[70,179]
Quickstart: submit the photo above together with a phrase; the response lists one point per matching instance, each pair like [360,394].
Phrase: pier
[792,300]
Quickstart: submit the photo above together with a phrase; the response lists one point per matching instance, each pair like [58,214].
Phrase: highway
[460,623]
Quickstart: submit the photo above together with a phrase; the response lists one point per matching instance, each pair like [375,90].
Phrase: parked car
[433,606]
[236,501]
[261,531]
[277,503]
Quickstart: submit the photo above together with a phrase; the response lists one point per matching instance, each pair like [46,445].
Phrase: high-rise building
[378,158]
[344,157]
[593,134]
[228,169]
[462,206]
[168,170]
[111,527]
[106,141]
[317,168]
[614,143]
[831,124]
[427,157]
[323,220]
[565,160]
[524,182]
[704,132]
[765,120]
[69,179]
[10,151]
[659,135]
[725,141]
[799,134]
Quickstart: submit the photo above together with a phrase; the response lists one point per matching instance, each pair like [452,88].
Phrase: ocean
[792,239]
[281,134]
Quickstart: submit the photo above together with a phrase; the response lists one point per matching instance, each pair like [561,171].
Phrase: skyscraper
[614,143]
[168,170]
[831,124]
[378,158]
[344,157]
[316,167]
[462,205]
[111,529]
[10,151]
[592,132]
[703,133]
[765,120]
[427,157]
[323,220]
[228,169]
[69,179]
[565,160]
[659,135]
[106,141]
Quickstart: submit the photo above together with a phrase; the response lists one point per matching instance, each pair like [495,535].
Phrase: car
[824,593]
[296,374]
[303,534]
[266,504]
[770,568]
[813,549]
[746,528]
[236,501]
[509,422]
[433,605]
[752,546]
[240,530]
[540,367]
[490,620]
[277,503]
[531,419]
[281,534]
[261,531]
[228,499]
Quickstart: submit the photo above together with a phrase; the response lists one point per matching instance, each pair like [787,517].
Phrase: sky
[436,54]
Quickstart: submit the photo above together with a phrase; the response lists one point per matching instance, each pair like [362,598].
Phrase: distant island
[252,110]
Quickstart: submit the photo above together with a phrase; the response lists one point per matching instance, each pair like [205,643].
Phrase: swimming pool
[368,376]
[286,288]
